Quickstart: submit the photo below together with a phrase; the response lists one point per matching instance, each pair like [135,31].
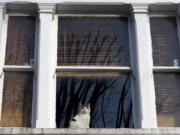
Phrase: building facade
[133,43]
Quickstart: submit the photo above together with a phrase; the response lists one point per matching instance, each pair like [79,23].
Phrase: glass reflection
[93,41]
[109,97]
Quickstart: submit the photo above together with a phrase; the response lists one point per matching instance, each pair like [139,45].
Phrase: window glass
[93,41]
[109,95]
[165,41]
[17,99]
[20,40]
[167,90]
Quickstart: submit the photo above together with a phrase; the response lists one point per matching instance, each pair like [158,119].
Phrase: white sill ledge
[18,68]
[166,68]
[93,68]
[100,131]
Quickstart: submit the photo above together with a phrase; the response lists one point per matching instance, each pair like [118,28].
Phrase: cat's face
[85,109]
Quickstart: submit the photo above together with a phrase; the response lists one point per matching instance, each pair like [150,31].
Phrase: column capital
[46,8]
[178,10]
[139,8]
[2,7]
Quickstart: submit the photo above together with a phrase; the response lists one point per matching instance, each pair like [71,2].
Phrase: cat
[82,119]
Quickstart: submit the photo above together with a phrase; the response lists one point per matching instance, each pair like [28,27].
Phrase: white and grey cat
[82,119]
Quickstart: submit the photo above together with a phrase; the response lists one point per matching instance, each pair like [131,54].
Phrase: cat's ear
[88,106]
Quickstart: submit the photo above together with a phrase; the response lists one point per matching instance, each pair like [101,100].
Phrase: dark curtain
[109,97]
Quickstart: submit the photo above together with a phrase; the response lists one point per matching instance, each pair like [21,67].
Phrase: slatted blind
[20,40]
[166,48]
[93,41]
[167,99]
[17,100]
[166,52]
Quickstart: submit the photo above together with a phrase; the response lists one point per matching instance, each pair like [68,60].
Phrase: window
[82,43]
[92,53]
[18,80]
[166,59]
[89,54]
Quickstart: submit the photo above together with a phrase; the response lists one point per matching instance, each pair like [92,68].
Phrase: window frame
[95,68]
[20,68]
[121,69]
[165,69]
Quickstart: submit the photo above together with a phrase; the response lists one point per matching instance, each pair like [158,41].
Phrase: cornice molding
[140,8]
[178,10]
[2,7]
[46,8]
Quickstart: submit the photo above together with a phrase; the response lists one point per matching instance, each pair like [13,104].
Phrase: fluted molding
[2,7]
[139,8]
[46,8]
[178,10]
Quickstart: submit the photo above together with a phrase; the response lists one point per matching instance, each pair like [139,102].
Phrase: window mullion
[45,68]
[143,70]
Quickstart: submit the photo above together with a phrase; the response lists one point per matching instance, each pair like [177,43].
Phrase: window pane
[17,99]
[109,95]
[165,41]
[93,41]
[20,40]
[167,99]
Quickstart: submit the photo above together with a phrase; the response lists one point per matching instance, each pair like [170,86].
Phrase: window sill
[100,131]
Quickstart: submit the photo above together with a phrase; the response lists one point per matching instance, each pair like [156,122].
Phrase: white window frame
[172,68]
[19,68]
[120,69]
[166,69]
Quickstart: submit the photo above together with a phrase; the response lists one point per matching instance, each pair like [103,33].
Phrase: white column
[143,70]
[3,33]
[46,68]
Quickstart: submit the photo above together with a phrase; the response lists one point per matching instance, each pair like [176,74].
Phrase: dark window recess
[93,41]
[20,40]
[167,90]
[109,95]
[165,41]
[17,100]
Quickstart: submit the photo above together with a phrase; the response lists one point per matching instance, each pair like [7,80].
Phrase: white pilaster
[3,33]
[143,70]
[46,68]
[178,10]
